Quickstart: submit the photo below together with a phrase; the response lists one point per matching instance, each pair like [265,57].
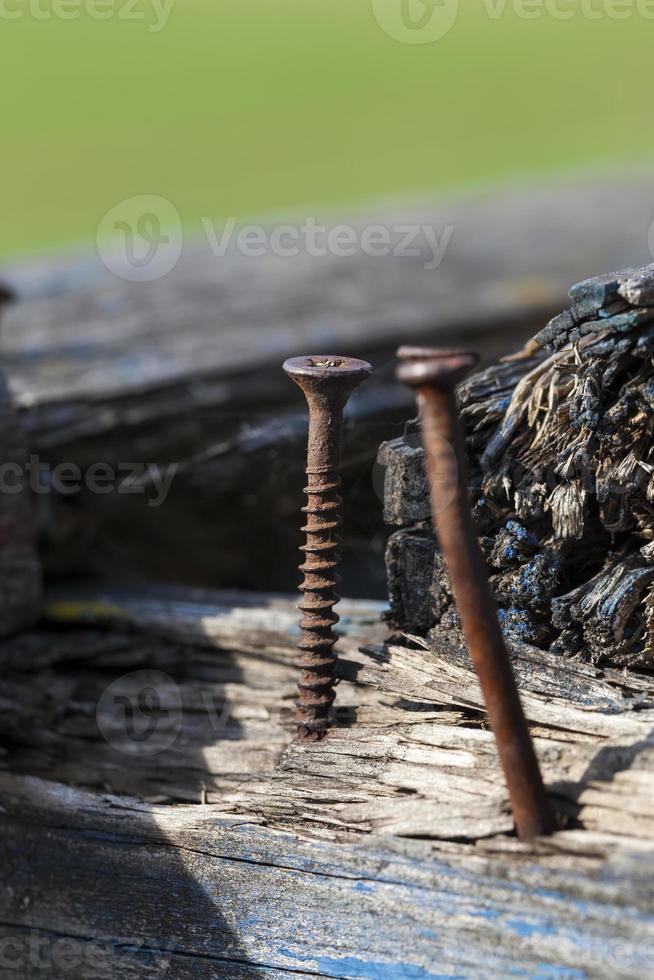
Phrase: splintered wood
[207,843]
[561,455]
[381,852]
[411,753]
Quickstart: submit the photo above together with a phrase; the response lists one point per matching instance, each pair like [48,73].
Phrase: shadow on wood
[377,850]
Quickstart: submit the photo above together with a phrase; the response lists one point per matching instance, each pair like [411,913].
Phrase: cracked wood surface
[410,753]
[382,852]
[557,445]
[208,893]
[232,852]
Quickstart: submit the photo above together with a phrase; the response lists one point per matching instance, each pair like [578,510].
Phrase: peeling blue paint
[548,970]
[486,914]
[352,966]
[528,929]
[521,533]
[362,970]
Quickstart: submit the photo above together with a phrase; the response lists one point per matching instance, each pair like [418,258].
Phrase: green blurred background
[255,107]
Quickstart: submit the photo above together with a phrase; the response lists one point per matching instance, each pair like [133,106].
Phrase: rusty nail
[327,382]
[435,374]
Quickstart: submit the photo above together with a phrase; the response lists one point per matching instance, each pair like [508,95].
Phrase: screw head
[327,371]
[440,367]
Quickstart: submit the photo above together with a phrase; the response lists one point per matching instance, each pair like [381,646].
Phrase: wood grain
[383,852]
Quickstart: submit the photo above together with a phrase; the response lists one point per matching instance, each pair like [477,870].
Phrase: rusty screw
[327,382]
[435,374]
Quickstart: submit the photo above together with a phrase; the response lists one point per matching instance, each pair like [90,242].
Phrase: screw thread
[317,659]
[327,382]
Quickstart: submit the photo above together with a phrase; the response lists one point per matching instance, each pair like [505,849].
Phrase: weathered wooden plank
[228,618]
[115,372]
[293,859]
[505,259]
[222,892]
[20,570]
[409,754]
[34,953]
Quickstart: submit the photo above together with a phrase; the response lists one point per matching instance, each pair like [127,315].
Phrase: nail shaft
[435,374]
[327,382]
